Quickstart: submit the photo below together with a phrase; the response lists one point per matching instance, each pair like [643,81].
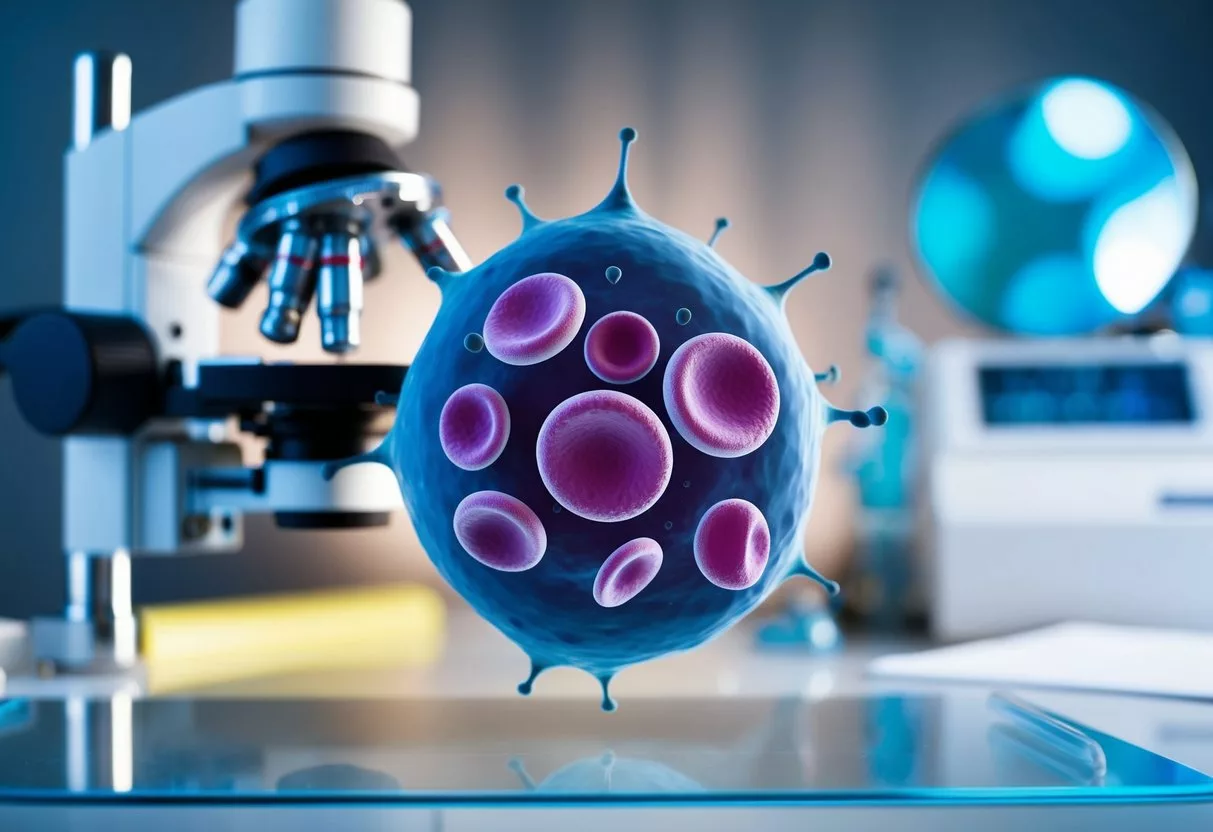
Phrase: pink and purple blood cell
[627,571]
[534,319]
[500,531]
[604,455]
[732,544]
[474,426]
[721,395]
[621,347]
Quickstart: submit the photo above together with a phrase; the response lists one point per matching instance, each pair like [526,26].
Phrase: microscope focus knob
[82,373]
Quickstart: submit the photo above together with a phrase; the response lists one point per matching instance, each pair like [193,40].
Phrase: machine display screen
[1086,394]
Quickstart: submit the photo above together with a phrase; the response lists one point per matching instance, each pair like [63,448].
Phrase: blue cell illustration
[611,478]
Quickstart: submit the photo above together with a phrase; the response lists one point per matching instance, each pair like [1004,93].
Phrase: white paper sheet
[1081,656]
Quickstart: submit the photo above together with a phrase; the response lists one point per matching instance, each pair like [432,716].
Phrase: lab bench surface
[725,737]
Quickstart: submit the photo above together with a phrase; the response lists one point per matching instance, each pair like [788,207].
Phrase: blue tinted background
[807,120]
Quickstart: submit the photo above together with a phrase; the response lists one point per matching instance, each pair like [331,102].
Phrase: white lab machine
[1068,479]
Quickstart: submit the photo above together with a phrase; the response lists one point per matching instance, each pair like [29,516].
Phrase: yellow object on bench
[210,642]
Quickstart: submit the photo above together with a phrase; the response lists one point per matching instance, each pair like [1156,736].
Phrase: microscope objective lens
[292,282]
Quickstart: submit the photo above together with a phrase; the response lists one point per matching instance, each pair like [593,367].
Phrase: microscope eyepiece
[339,298]
[292,283]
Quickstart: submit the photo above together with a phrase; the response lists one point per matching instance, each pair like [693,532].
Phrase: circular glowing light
[1140,247]
[1086,118]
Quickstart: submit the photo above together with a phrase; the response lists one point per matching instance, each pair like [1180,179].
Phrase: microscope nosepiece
[339,299]
[292,282]
[321,227]
[236,276]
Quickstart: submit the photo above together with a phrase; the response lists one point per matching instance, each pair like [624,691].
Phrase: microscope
[301,141]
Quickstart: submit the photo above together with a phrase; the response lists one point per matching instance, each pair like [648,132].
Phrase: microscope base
[61,645]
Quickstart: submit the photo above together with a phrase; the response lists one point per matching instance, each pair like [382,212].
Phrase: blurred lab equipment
[885,467]
[878,587]
[1069,479]
[804,624]
[1191,302]
[302,142]
[1067,476]
[188,645]
[1058,210]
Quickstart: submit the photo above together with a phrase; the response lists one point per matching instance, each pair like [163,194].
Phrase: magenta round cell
[534,319]
[500,531]
[721,394]
[474,426]
[621,347]
[628,570]
[732,544]
[604,455]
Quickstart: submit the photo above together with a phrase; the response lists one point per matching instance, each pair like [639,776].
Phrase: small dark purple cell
[534,319]
[629,569]
[621,347]
[721,394]
[500,531]
[474,426]
[732,544]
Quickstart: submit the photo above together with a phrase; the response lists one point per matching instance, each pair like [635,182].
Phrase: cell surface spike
[608,704]
[620,197]
[439,275]
[872,417]
[519,768]
[801,569]
[528,684]
[386,399]
[381,455]
[821,262]
[517,195]
[721,224]
[832,375]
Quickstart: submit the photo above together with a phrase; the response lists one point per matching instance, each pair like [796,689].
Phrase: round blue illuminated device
[1060,210]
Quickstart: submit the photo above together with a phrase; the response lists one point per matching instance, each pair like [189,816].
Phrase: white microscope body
[148,202]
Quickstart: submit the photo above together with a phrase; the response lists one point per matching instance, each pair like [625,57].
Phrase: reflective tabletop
[945,747]
[735,735]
